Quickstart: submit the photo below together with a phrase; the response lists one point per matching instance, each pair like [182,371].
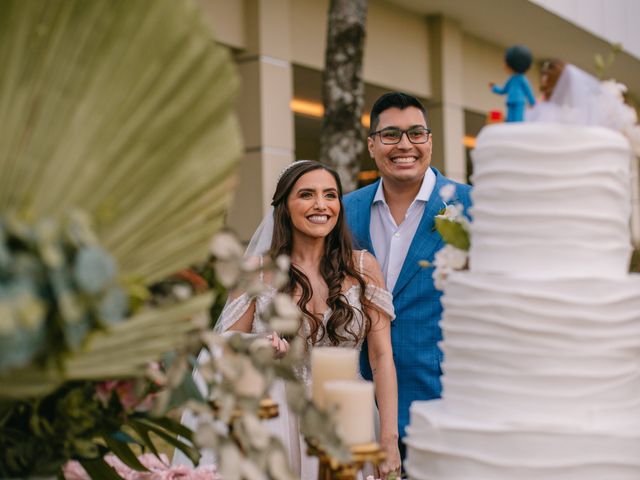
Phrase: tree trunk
[341,139]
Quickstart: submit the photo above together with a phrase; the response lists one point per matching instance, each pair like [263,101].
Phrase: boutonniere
[453,227]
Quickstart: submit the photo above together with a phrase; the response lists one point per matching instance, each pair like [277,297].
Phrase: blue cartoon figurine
[517,89]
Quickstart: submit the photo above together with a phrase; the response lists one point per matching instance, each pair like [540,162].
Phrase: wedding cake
[542,333]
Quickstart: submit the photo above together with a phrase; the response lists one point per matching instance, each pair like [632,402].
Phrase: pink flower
[104,391]
[127,392]
[159,469]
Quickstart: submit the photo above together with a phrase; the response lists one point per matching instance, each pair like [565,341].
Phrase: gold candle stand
[267,409]
[330,469]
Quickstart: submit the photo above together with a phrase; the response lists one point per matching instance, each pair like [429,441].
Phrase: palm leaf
[122,108]
[123,351]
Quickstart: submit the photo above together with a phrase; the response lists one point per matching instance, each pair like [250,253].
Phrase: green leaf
[172,439]
[187,390]
[453,233]
[170,425]
[123,451]
[143,433]
[98,469]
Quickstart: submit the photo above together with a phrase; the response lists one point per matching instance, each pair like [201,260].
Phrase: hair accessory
[290,166]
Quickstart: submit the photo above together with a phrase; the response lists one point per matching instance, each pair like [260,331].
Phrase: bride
[340,292]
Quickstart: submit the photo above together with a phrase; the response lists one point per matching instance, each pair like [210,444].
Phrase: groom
[394,219]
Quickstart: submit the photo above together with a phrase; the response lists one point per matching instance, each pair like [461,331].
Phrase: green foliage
[123,109]
[453,233]
[38,436]
[56,285]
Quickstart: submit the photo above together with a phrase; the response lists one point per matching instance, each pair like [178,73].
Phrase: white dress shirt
[391,242]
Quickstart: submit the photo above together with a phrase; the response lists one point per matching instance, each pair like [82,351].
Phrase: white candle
[353,401]
[331,363]
[250,382]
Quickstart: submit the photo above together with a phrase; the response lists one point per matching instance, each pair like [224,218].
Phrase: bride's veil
[260,242]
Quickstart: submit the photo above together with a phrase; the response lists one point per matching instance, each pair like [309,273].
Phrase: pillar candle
[250,382]
[353,404]
[331,363]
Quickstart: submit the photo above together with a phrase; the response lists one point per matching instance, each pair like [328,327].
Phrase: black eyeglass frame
[402,132]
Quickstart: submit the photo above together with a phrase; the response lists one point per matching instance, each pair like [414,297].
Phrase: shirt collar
[428,184]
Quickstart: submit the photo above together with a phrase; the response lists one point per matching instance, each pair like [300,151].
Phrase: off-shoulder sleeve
[381,298]
[232,312]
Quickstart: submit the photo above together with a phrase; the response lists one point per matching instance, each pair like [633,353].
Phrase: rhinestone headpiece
[290,166]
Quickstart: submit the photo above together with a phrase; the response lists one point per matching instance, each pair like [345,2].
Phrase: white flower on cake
[446,260]
[627,118]
[615,88]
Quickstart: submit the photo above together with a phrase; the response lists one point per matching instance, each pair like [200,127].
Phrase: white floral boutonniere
[453,226]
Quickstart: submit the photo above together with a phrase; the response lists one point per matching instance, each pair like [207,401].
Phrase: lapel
[362,219]
[426,240]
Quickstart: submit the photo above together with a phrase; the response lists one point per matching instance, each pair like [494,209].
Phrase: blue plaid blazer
[415,333]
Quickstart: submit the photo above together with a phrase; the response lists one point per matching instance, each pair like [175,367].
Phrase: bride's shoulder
[368,267]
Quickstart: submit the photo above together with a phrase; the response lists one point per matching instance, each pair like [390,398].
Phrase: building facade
[446,52]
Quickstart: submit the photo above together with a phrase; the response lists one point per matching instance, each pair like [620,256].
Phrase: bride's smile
[320,219]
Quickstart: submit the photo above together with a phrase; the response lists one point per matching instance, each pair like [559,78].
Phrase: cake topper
[517,59]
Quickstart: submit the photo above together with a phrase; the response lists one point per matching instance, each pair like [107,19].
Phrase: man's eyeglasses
[393,136]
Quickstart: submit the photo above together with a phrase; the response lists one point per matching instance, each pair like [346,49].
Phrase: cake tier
[550,200]
[553,352]
[445,446]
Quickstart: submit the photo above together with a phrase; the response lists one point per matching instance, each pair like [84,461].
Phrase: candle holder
[267,409]
[331,469]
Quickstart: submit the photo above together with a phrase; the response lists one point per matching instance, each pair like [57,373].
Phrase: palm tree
[342,89]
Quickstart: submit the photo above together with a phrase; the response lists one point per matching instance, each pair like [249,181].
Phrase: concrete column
[446,113]
[263,110]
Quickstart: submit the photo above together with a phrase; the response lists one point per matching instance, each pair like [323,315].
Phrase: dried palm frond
[123,351]
[122,108]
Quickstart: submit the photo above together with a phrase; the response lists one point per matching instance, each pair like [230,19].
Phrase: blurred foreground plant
[120,114]
[235,371]
[124,110]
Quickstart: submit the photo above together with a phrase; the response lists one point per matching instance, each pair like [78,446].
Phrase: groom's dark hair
[398,100]
[336,265]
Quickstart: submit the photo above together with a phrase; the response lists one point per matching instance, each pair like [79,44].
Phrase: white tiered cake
[542,334]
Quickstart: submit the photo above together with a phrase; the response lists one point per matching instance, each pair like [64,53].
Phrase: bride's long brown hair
[336,264]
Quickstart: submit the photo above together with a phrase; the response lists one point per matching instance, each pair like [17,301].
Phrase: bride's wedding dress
[285,426]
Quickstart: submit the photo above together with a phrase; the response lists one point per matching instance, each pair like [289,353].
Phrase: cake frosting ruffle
[551,200]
